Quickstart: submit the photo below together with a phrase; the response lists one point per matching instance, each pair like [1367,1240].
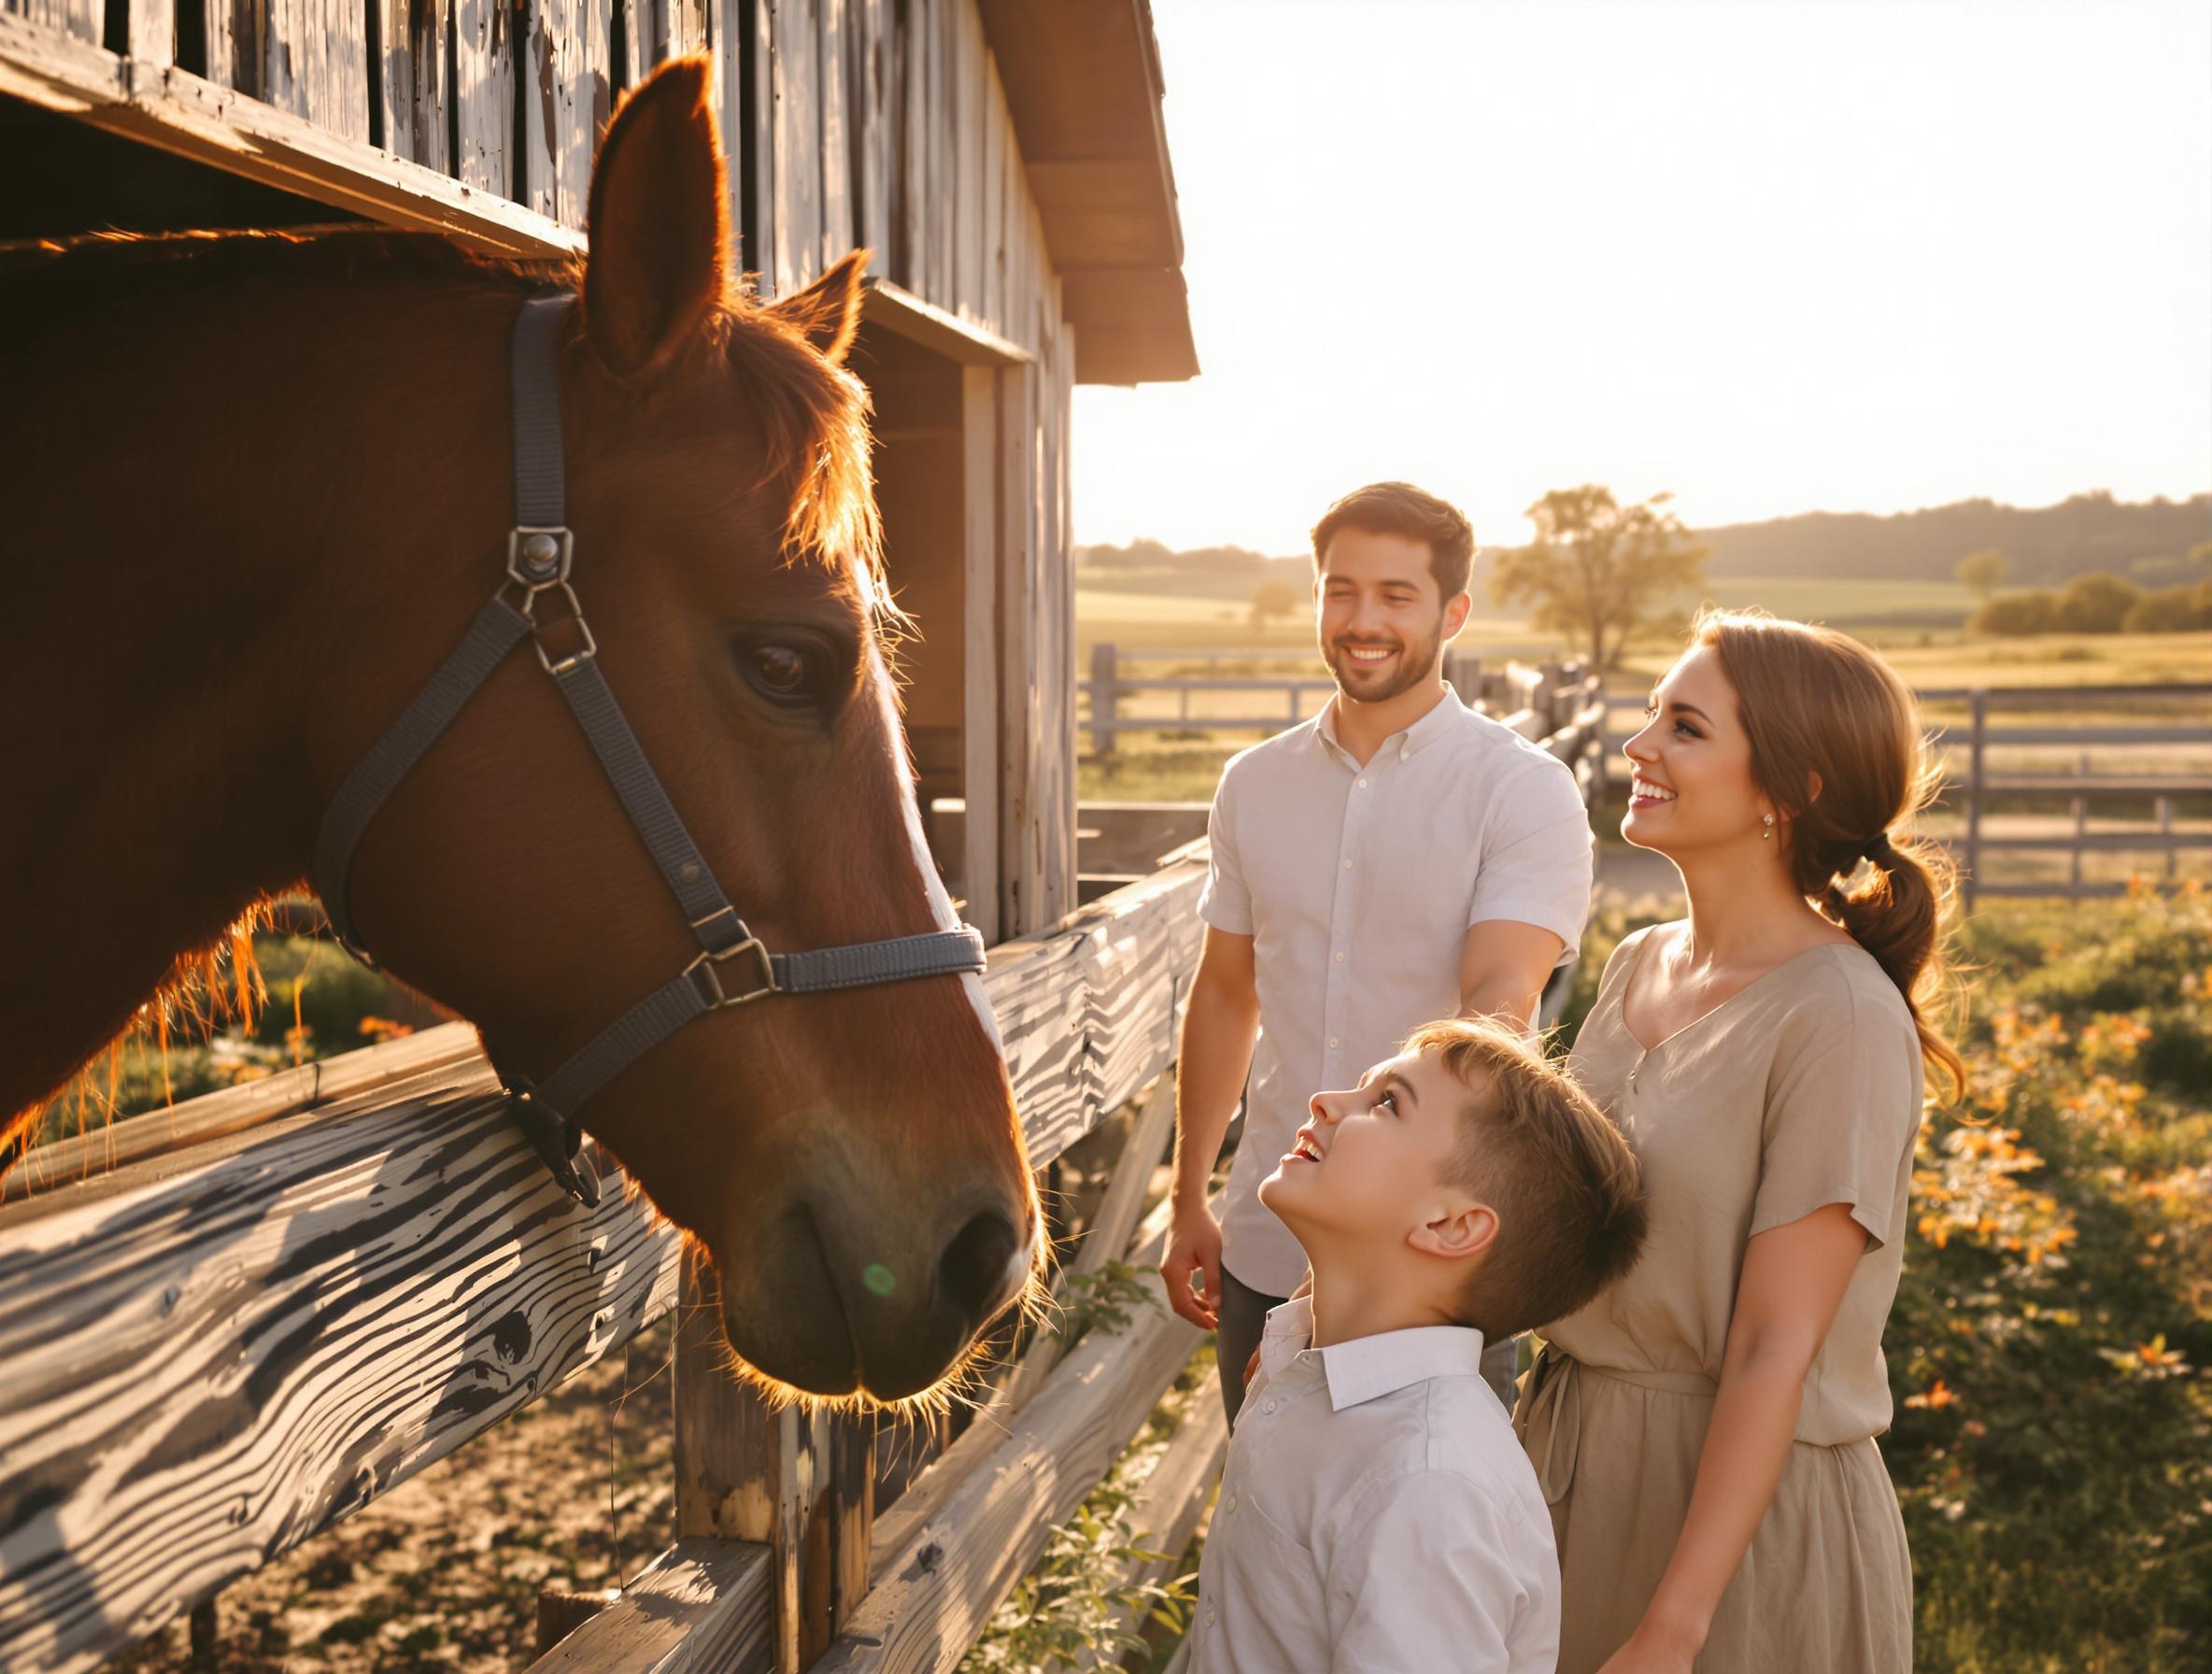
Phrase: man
[1395,859]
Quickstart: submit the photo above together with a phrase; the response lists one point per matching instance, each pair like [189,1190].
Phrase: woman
[1705,1430]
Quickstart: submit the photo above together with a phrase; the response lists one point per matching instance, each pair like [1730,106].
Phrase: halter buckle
[708,980]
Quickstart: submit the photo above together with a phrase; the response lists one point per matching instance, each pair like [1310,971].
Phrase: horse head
[852,1160]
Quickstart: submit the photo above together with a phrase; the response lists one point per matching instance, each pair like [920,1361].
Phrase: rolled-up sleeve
[1225,902]
[1536,865]
[1434,1573]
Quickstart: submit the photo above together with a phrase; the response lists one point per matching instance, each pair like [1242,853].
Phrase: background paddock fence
[2005,783]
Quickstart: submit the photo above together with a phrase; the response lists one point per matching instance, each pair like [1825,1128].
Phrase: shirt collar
[1422,732]
[1368,1368]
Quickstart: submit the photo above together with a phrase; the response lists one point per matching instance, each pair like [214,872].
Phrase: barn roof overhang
[1083,84]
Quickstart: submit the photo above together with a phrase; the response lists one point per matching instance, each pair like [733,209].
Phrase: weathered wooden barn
[1005,161]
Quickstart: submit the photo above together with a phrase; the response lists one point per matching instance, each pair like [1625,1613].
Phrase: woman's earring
[1767,835]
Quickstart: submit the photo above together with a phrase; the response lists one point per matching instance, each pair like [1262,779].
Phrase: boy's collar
[1365,1369]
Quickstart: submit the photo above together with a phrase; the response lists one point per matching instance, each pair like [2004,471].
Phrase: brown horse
[254,489]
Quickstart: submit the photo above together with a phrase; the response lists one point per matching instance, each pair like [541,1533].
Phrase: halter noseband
[539,554]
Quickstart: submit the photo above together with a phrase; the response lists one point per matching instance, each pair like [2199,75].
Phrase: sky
[1770,256]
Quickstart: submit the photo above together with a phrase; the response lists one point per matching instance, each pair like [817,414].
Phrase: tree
[2096,603]
[1598,570]
[1983,572]
[1272,599]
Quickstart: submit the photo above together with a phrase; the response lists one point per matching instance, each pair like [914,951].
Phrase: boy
[1377,1512]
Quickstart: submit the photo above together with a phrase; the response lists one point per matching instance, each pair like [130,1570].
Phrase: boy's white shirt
[1376,1515]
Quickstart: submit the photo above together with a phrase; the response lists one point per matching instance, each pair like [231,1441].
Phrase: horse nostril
[976,1272]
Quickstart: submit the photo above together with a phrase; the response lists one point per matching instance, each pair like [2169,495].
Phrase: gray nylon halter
[539,552]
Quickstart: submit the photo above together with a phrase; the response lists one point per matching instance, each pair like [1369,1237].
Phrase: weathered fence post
[800,1483]
[1976,744]
[1105,698]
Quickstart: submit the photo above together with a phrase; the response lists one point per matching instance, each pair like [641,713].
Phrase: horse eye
[781,672]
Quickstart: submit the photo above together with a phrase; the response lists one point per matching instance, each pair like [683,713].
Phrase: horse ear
[659,229]
[828,312]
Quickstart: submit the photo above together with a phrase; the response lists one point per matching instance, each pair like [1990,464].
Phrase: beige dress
[1802,1091]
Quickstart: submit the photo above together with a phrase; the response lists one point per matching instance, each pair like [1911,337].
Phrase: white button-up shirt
[1358,884]
[1377,1515]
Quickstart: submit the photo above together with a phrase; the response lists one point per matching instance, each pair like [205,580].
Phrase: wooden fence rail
[209,1353]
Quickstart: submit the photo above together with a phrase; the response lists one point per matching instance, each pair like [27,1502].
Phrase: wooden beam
[240,1347]
[980,738]
[195,117]
[896,309]
[700,1608]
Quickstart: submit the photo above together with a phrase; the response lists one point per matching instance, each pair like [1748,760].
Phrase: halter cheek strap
[731,966]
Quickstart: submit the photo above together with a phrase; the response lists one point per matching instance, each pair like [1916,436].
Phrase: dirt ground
[443,1573]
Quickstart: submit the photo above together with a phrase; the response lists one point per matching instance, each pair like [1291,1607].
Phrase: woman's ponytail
[1837,743]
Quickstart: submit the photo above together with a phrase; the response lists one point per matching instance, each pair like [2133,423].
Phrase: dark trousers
[1245,1314]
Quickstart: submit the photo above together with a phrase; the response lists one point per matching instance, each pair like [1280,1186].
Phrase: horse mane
[813,414]
[813,417]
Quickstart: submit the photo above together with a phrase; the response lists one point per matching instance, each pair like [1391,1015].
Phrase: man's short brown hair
[1399,508]
[1567,1187]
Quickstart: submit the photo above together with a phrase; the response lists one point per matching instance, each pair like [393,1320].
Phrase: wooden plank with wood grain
[80,20]
[200,118]
[315,64]
[798,150]
[257,1339]
[484,69]
[700,1608]
[410,82]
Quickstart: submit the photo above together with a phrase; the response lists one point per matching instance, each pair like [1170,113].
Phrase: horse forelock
[813,417]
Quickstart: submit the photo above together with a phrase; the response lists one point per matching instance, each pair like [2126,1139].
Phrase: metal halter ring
[708,980]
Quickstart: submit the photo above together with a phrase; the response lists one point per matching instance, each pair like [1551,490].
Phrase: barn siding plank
[875,127]
[835,146]
[798,168]
[82,20]
[756,143]
[484,94]
[567,97]
[315,64]
[964,43]
[245,1352]
[411,83]
[151,37]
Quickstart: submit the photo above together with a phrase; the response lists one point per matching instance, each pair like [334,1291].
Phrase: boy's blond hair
[1565,1186]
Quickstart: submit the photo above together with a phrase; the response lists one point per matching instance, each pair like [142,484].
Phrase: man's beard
[1415,661]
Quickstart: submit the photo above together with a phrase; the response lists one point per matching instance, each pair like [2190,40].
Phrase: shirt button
[1232,1505]
[1363,784]
[1209,1615]
[1332,1046]
[1339,956]
[1271,1406]
[1347,866]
